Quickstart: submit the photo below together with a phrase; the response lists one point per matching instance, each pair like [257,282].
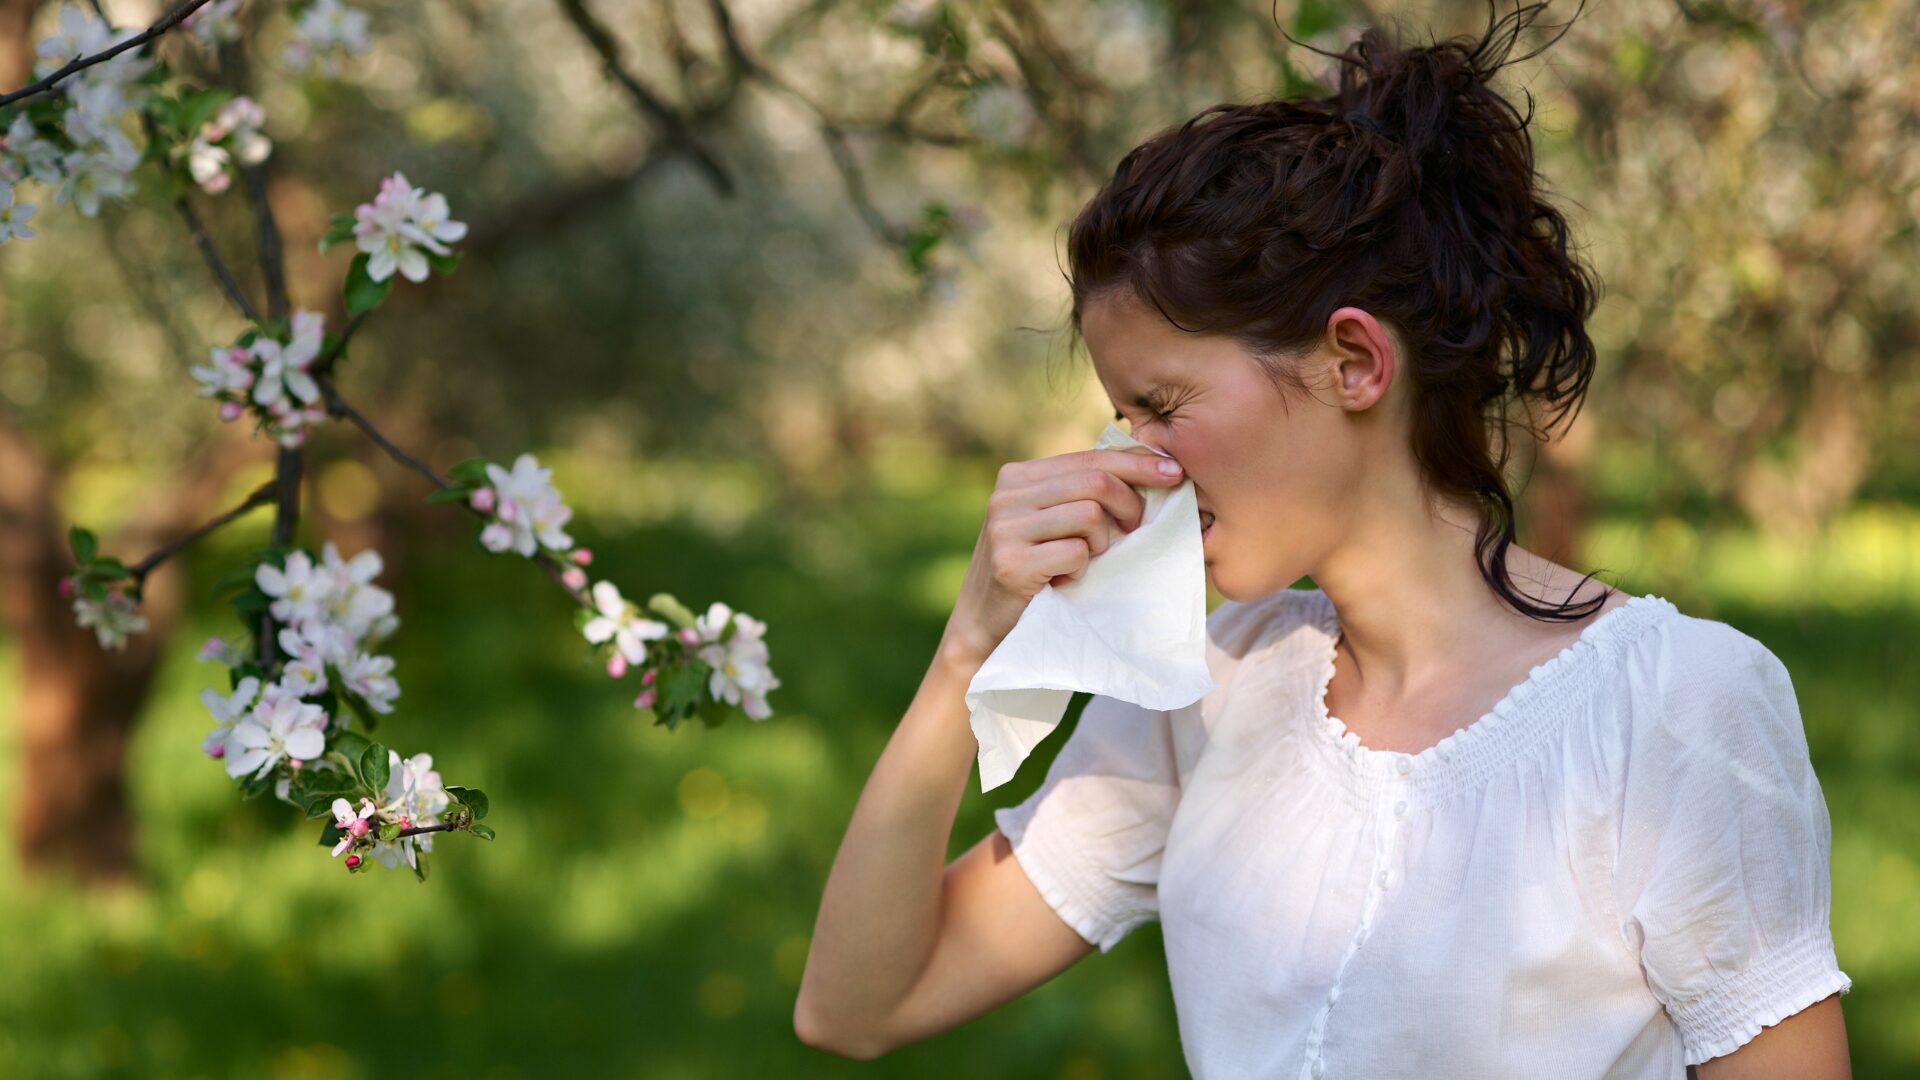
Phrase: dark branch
[81,63]
[262,495]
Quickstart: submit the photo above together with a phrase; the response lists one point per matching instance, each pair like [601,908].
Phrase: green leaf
[390,831]
[331,783]
[108,568]
[331,835]
[320,806]
[340,231]
[451,493]
[374,767]
[472,798]
[85,545]
[362,293]
[351,744]
[198,107]
[473,470]
[420,864]
[481,831]
[443,264]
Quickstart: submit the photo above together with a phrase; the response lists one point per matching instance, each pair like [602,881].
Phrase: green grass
[646,907]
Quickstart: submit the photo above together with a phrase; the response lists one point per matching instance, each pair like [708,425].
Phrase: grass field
[645,910]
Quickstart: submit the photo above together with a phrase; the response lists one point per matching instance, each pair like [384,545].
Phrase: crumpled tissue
[1132,627]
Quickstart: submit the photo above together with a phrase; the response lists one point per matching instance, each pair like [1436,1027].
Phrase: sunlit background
[791,391]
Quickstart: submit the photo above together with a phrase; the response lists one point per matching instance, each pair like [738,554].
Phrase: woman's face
[1275,470]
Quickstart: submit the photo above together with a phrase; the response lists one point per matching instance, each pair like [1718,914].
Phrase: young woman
[1457,811]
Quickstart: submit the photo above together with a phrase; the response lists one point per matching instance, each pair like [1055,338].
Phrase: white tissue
[1133,627]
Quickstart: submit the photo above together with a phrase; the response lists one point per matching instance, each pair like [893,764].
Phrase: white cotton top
[1619,871]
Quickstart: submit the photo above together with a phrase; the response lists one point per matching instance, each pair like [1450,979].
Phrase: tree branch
[80,63]
[263,494]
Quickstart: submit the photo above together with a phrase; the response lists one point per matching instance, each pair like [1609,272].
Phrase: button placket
[1391,810]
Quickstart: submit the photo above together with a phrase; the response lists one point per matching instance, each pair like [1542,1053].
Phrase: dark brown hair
[1410,192]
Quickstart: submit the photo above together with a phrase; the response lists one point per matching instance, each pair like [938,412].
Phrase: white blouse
[1619,871]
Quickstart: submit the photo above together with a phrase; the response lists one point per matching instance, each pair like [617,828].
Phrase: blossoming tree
[306,686]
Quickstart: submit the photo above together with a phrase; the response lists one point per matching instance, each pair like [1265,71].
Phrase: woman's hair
[1409,192]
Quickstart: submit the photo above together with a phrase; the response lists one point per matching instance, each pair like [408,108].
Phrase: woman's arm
[1809,1045]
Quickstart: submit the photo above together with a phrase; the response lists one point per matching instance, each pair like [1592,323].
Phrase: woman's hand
[1046,520]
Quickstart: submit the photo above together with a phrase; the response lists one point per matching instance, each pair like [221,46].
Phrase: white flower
[344,817]
[111,620]
[496,537]
[400,226]
[29,153]
[216,22]
[298,591]
[354,603]
[13,217]
[95,173]
[231,134]
[367,675]
[740,671]
[324,31]
[227,710]
[229,372]
[414,792]
[529,506]
[306,647]
[280,726]
[283,366]
[619,620]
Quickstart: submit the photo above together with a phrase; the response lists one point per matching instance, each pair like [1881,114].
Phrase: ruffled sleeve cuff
[1100,909]
[1779,984]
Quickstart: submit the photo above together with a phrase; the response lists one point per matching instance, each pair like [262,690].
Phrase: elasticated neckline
[1465,758]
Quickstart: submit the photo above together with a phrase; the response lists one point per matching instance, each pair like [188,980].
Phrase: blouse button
[1333,995]
[1382,879]
[1319,1067]
[1404,766]
[1400,808]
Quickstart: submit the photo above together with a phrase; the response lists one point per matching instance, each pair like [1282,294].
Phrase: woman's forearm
[880,912]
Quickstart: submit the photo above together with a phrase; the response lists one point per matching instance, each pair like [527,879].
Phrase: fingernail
[1169,468]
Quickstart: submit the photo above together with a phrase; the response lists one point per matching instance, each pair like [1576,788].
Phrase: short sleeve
[1090,837]
[1722,877]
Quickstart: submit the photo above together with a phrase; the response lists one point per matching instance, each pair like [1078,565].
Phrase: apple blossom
[280,726]
[13,216]
[323,31]
[573,577]
[400,227]
[283,366]
[620,621]
[227,710]
[529,505]
[740,672]
[237,126]
[353,824]
[111,620]
[297,590]
[414,794]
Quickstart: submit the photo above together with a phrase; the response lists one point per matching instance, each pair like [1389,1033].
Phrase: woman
[1457,811]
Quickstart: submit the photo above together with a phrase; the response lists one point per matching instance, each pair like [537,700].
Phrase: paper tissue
[1132,627]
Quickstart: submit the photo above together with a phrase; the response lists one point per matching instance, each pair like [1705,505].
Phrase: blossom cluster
[112,616]
[729,646]
[526,509]
[271,377]
[324,33]
[78,146]
[231,134]
[402,228]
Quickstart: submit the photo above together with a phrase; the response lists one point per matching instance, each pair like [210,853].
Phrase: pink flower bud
[582,556]
[66,588]
[359,827]
[689,636]
[482,500]
[353,861]
[231,411]
[219,750]
[647,679]
[574,578]
[617,665]
[295,764]
[406,822]
[508,510]
[646,699]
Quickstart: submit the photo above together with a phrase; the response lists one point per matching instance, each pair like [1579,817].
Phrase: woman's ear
[1363,358]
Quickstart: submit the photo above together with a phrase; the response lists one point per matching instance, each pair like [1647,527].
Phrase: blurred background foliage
[776,348]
